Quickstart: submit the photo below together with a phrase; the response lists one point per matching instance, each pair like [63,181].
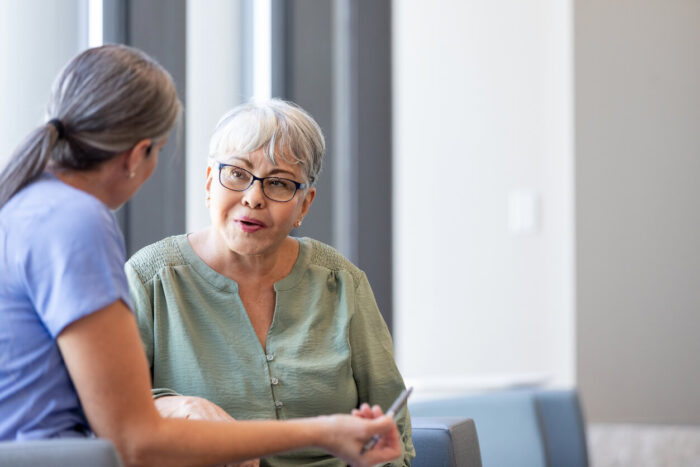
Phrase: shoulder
[50,214]
[325,256]
[151,259]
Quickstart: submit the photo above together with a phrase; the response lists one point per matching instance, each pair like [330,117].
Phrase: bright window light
[95,37]
[262,53]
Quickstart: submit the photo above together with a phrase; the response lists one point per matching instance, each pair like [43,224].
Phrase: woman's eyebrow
[245,162]
[277,171]
[239,159]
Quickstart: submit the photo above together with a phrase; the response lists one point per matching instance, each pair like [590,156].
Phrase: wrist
[316,431]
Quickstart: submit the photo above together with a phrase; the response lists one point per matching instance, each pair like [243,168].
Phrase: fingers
[389,446]
[345,437]
[366,412]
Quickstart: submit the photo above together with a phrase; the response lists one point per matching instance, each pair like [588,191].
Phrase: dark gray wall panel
[158,27]
[309,82]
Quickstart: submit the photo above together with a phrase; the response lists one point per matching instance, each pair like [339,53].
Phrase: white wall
[36,39]
[483,107]
[213,87]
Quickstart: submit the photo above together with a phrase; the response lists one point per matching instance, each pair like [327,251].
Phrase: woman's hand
[346,435]
[197,408]
[194,408]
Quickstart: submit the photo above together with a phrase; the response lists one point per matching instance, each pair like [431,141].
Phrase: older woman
[261,324]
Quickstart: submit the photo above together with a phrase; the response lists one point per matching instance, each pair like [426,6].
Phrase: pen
[393,410]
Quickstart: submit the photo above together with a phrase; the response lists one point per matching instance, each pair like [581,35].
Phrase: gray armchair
[61,452]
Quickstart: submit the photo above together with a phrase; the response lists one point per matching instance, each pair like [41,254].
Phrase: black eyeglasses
[276,188]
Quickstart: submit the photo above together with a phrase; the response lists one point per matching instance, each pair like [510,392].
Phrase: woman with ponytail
[71,361]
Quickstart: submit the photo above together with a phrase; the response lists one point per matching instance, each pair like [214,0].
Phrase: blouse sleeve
[143,308]
[376,375]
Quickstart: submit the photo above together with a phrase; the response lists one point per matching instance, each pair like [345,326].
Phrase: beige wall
[637,98]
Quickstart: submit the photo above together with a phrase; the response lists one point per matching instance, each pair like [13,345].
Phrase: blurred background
[518,179]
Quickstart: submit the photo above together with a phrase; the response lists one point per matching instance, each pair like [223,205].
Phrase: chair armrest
[563,426]
[445,442]
[65,452]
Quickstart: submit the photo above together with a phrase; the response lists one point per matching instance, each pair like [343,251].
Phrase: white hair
[282,129]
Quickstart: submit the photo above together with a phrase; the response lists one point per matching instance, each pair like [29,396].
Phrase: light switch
[523,212]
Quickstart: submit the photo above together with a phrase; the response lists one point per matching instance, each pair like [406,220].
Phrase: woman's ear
[207,185]
[136,155]
[308,200]
[209,178]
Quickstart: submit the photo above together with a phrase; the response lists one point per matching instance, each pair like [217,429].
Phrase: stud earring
[132,174]
[297,224]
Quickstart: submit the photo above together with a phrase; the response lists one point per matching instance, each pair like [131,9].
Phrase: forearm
[179,442]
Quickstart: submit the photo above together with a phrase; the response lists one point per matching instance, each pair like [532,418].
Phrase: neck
[264,269]
[98,182]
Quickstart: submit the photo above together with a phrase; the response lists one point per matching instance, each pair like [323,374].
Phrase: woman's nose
[254,197]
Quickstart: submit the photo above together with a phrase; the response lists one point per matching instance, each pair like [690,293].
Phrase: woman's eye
[237,173]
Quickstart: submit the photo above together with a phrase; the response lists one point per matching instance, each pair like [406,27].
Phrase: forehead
[257,161]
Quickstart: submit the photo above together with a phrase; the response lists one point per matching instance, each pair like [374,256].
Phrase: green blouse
[328,348]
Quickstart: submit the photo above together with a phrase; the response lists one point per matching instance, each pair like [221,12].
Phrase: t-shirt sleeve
[76,266]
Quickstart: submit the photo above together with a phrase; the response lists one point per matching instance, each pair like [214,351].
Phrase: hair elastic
[59,127]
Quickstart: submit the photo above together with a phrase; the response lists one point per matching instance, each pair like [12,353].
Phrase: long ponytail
[28,161]
[104,101]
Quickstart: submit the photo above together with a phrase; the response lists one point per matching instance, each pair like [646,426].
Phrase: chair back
[63,452]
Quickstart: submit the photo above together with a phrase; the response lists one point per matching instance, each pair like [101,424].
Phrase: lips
[248,224]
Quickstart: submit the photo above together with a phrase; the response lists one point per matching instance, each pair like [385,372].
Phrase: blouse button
[279,404]
[270,357]
[274,381]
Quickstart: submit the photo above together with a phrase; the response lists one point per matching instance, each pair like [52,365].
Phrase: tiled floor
[612,445]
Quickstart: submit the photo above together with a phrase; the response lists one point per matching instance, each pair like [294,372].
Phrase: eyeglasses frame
[298,186]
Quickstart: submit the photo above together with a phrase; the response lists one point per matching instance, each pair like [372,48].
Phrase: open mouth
[249,225]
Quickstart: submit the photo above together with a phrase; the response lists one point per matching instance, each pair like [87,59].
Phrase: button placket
[274,381]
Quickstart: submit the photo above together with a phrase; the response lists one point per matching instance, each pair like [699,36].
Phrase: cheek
[285,216]
[219,206]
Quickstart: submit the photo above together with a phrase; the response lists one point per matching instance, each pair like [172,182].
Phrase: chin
[247,246]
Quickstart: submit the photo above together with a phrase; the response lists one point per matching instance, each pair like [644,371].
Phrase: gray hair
[282,129]
[106,99]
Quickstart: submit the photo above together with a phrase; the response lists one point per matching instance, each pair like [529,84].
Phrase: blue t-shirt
[61,258]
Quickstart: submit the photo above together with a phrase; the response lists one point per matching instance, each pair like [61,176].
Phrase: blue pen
[394,410]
